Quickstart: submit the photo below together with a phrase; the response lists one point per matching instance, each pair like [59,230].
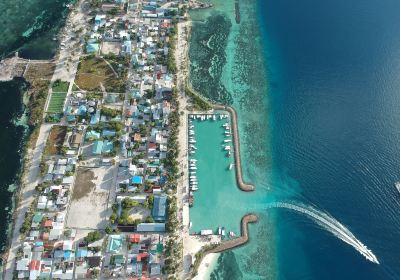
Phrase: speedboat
[227,140]
[230,166]
[219,230]
[193,168]
[194,188]
[223,231]
[227,148]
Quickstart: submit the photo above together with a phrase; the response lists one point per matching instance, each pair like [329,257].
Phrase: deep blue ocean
[334,88]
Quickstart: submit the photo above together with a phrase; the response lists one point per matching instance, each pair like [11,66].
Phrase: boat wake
[330,224]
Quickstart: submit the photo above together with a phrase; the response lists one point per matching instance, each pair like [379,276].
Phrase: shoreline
[32,153]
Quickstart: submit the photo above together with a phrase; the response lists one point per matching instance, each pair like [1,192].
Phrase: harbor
[212,174]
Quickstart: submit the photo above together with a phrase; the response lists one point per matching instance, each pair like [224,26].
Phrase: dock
[235,134]
[243,239]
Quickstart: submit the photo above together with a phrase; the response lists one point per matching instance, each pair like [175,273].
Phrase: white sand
[206,267]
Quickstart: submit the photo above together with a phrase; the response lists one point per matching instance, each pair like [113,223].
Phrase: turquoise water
[228,68]
[216,201]
[315,85]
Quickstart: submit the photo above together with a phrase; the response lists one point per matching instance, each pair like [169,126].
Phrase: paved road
[27,190]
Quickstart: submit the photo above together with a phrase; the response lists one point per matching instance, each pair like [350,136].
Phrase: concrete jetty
[235,133]
[243,239]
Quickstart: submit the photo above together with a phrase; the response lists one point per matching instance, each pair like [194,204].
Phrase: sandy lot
[111,47]
[89,207]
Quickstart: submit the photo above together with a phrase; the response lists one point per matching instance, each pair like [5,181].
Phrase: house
[94,261]
[92,46]
[76,140]
[150,227]
[92,135]
[114,244]
[97,147]
[137,180]
[134,238]
[159,208]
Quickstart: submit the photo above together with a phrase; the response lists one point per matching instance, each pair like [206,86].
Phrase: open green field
[94,72]
[56,104]
[60,86]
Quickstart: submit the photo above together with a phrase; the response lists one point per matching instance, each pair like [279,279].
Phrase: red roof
[152,146]
[48,223]
[134,238]
[34,265]
[142,255]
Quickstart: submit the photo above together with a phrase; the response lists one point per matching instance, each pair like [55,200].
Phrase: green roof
[114,244]
[37,218]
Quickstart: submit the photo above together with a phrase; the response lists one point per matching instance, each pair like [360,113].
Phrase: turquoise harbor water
[316,86]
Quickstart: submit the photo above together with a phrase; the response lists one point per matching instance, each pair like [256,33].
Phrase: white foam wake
[330,224]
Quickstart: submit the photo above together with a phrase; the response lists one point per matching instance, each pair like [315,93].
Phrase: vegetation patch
[199,103]
[83,183]
[60,86]
[43,71]
[55,141]
[94,72]
[57,100]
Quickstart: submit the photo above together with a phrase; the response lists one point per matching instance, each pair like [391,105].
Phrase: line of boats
[204,117]
[220,231]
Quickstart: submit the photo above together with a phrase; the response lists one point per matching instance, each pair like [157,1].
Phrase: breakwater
[243,239]
[236,146]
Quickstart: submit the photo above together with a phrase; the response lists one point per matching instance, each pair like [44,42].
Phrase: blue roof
[107,132]
[94,119]
[108,147]
[92,134]
[151,227]
[82,110]
[137,180]
[81,253]
[159,207]
[92,47]
[97,147]
[67,254]
[71,118]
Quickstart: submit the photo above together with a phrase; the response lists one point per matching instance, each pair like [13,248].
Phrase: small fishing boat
[397,185]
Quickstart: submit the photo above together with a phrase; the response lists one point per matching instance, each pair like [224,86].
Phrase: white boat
[192,152]
[223,231]
[193,147]
[232,234]
[214,117]
[193,173]
[194,188]
[193,168]
[206,232]
[229,153]
[397,185]
[192,159]
[227,148]
[190,224]
[230,166]
[227,140]
[192,141]
[225,124]
[219,230]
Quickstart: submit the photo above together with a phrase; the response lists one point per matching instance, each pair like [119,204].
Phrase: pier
[243,239]
[236,146]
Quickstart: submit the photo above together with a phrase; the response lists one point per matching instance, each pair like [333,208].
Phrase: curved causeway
[244,235]
[238,165]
